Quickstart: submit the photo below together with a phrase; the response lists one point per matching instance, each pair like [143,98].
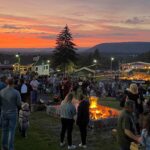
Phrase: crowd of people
[18,94]
[16,97]
[134,119]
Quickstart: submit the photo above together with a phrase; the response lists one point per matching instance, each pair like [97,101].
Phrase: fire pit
[100,116]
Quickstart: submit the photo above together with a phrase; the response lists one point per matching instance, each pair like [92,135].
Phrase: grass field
[44,134]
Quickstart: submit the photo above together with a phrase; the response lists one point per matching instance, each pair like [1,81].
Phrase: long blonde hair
[133,88]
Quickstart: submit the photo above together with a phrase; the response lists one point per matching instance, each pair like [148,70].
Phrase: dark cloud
[135,20]
[113,34]
[9,26]
[47,36]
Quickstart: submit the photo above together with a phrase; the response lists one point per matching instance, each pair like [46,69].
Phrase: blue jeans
[9,121]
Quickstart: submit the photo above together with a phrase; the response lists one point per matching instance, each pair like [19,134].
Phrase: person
[83,119]
[126,127]
[67,113]
[2,86]
[2,83]
[55,82]
[66,85]
[24,114]
[28,95]
[34,84]
[133,94]
[10,101]
[146,105]
[92,92]
[145,141]
[23,90]
[101,87]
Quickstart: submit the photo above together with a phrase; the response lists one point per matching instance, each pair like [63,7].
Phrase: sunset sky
[36,23]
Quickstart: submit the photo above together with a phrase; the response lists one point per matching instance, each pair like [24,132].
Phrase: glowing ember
[99,111]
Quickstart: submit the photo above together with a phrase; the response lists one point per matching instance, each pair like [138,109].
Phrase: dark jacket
[83,113]
[135,97]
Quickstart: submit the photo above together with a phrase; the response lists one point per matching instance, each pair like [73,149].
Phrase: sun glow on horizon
[36,24]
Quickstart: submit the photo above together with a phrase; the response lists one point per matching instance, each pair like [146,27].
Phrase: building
[135,65]
[42,67]
[22,68]
[85,71]
[135,71]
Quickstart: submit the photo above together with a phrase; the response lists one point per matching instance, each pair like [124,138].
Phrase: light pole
[48,62]
[112,59]
[18,57]
[111,68]
[95,62]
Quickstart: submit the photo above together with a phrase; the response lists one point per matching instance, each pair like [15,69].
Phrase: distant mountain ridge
[33,51]
[122,47]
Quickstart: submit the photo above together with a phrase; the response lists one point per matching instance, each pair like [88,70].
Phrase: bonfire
[100,112]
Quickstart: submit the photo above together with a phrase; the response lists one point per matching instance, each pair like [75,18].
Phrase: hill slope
[123,47]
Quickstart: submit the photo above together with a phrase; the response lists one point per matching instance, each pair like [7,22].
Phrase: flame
[99,111]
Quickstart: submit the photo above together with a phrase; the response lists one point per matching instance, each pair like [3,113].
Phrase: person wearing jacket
[67,113]
[83,119]
[10,101]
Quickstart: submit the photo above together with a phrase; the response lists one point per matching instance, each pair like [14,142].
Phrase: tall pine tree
[65,51]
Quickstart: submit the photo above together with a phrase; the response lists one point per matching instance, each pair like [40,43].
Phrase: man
[34,84]
[2,86]
[10,101]
[83,119]
[126,127]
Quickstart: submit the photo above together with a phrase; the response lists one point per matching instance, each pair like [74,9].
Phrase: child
[146,133]
[24,118]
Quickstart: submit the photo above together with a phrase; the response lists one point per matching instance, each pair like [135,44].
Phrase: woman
[83,119]
[67,113]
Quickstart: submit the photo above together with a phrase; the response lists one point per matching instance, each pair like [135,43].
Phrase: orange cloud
[17,41]
[29,32]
